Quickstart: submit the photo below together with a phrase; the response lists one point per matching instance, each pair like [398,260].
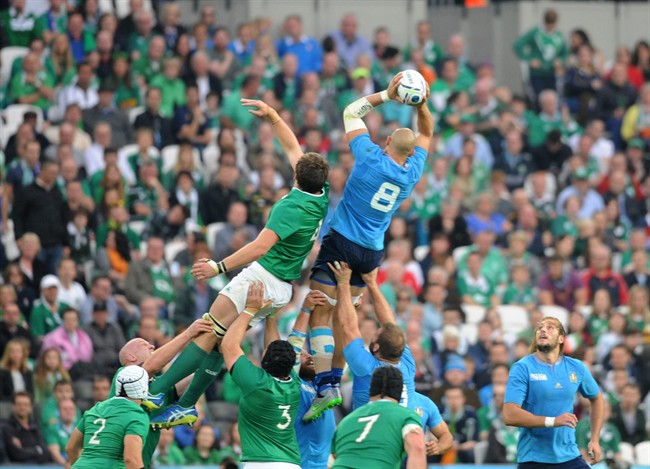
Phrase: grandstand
[540,163]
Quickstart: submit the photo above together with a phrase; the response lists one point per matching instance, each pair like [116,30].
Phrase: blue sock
[337,374]
[323,381]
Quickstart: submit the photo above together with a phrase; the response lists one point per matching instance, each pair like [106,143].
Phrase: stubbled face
[548,337]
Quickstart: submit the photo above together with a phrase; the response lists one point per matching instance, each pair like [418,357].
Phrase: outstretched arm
[282,131]
[425,124]
[344,308]
[382,308]
[354,112]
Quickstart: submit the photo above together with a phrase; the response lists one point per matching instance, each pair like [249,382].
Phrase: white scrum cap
[134,380]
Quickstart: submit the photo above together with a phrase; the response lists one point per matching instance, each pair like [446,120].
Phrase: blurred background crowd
[126,156]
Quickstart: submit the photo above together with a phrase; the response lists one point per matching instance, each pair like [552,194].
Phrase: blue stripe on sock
[298,333]
[329,349]
[320,332]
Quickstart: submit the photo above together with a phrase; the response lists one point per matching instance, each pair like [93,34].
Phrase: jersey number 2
[370,419]
[385,198]
[285,414]
[93,439]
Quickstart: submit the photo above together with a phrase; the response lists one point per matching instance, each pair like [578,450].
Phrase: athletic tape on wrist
[549,422]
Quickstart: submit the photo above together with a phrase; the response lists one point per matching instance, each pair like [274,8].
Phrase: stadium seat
[470,332]
[514,319]
[480,451]
[459,253]
[211,232]
[7,57]
[420,253]
[135,112]
[210,161]
[172,249]
[473,313]
[106,6]
[556,312]
[5,410]
[642,452]
[627,452]
[14,116]
[224,411]
[122,7]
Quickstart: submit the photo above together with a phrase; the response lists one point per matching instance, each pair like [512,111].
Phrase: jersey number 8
[385,198]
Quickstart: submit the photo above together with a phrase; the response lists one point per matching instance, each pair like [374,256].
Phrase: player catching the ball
[380,181]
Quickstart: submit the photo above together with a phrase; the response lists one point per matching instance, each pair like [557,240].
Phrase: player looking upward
[379,183]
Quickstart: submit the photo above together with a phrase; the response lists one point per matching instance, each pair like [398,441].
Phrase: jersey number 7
[370,419]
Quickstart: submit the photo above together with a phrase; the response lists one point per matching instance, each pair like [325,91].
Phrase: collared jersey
[549,390]
[375,190]
[362,364]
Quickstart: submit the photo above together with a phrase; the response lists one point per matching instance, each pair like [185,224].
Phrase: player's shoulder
[523,363]
[574,364]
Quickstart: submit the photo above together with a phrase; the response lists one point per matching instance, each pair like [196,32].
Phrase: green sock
[186,363]
[203,378]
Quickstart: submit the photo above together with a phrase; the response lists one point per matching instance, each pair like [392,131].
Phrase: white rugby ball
[412,88]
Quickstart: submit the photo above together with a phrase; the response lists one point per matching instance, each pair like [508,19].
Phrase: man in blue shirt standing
[306,49]
[379,183]
[539,398]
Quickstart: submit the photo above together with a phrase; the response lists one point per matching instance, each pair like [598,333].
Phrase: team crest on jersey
[418,410]
[573,377]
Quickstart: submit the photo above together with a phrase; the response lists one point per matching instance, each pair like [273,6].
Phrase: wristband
[384,96]
[218,267]
[305,310]
[549,422]
[249,313]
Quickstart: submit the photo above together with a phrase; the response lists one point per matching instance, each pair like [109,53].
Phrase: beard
[307,373]
[545,348]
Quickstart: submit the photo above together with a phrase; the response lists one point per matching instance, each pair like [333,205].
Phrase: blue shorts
[336,247]
[577,463]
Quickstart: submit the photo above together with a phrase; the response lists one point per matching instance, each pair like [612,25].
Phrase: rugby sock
[337,374]
[187,362]
[297,340]
[203,378]
[322,350]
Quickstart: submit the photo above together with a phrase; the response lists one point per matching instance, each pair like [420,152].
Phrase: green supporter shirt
[539,126]
[150,440]
[194,458]
[267,412]
[59,435]
[173,457]
[610,437]
[494,266]
[563,225]
[296,219]
[19,88]
[42,320]
[515,295]
[146,68]
[18,30]
[104,427]
[540,45]
[132,236]
[479,289]
[233,110]
[431,51]
[373,436]
[49,417]
[173,94]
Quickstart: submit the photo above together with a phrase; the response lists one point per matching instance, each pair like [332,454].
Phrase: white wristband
[549,422]
[213,264]
[384,96]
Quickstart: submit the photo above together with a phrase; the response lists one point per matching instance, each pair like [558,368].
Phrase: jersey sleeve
[517,386]
[139,425]
[246,375]
[360,361]
[588,387]
[82,423]
[363,148]
[435,418]
[282,220]
[411,423]
[418,159]
[407,359]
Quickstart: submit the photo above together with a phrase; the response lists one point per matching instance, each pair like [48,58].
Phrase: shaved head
[402,141]
[135,352]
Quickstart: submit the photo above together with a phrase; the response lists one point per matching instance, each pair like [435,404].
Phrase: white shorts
[276,290]
[270,465]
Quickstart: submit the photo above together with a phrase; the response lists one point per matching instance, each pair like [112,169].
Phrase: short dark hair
[391,341]
[21,394]
[550,16]
[61,382]
[311,172]
[279,358]
[387,381]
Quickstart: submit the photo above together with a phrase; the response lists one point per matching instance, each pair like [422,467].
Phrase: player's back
[372,436]
[376,188]
[104,427]
[296,219]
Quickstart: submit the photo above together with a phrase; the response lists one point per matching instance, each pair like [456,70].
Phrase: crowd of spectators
[134,158]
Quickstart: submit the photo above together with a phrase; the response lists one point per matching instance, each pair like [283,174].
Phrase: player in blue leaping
[539,398]
[380,181]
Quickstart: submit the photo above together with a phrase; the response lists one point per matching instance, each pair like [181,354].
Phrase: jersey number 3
[285,415]
[93,439]
[385,198]
[369,421]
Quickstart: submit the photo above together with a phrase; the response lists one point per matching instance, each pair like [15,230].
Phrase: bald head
[135,352]
[402,142]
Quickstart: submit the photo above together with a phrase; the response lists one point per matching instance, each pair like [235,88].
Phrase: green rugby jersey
[296,219]
[104,427]
[373,436]
[268,410]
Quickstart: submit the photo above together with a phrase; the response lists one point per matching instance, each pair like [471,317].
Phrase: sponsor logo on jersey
[558,386]
[538,377]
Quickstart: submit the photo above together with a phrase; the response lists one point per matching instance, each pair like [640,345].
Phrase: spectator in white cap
[46,313]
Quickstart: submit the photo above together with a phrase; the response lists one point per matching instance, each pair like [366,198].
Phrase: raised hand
[370,278]
[392,88]
[198,327]
[314,298]
[201,270]
[263,111]
[255,299]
